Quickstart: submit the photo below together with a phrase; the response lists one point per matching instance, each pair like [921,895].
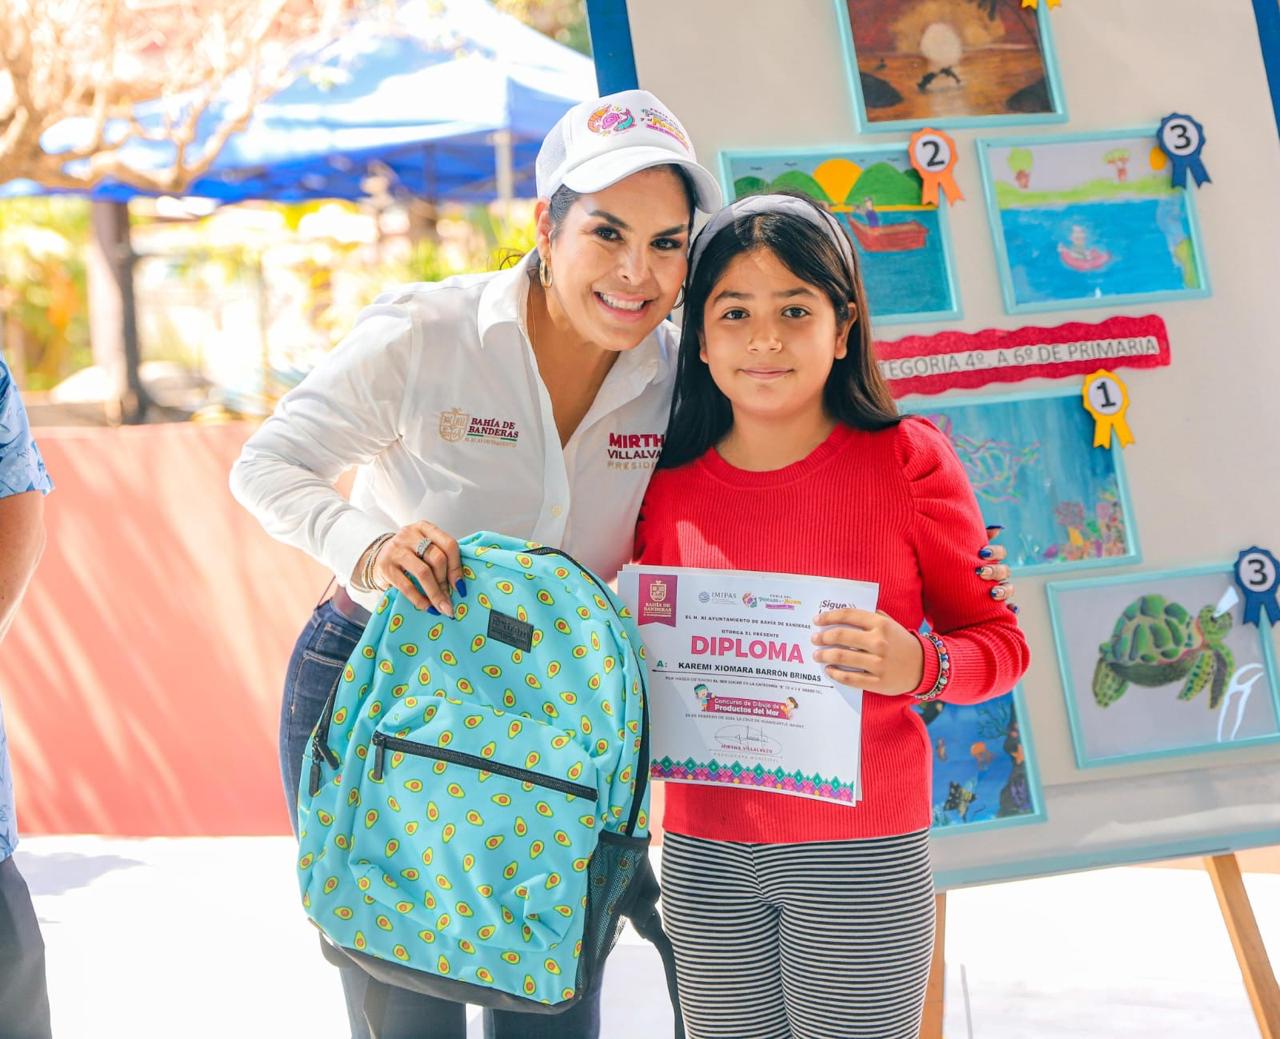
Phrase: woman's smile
[624,307]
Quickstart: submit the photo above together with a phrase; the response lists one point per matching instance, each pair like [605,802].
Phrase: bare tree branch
[96,59]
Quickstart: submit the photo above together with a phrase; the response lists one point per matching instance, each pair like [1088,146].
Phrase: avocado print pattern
[462,776]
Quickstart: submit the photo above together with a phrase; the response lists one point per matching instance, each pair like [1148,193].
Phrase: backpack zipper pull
[316,775]
[380,743]
[320,747]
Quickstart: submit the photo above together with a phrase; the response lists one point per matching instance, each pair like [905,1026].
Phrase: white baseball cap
[597,143]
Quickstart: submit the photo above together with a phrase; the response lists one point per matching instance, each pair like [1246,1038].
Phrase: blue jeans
[319,656]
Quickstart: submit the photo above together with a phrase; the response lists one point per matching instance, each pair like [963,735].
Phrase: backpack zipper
[424,750]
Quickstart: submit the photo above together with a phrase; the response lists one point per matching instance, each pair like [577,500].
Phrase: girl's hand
[991,568]
[890,658]
[437,571]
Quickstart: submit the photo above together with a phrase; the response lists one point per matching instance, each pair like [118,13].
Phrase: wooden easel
[1242,928]
[1246,939]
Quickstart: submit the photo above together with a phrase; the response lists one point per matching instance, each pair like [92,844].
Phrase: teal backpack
[473,820]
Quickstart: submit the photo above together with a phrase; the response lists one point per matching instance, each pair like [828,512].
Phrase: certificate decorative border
[714,772]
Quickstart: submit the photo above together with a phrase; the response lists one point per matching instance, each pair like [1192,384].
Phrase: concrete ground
[193,938]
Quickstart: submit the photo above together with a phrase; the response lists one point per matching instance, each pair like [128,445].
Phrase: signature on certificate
[747,738]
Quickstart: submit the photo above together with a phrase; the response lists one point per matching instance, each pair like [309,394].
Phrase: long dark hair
[855,394]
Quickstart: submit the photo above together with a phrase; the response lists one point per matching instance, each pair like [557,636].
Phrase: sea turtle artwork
[1156,642]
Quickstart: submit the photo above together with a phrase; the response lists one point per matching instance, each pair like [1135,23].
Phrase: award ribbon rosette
[735,696]
[1182,140]
[1258,574]
[933,156]
[1106,398]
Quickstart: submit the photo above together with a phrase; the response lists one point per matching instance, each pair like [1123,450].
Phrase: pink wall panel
[141,681]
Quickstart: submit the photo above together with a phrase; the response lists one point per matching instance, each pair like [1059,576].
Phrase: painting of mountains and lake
[902,245]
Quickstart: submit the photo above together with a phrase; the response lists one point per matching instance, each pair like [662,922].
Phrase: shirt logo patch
[453,425]
[456,425]
[634,450]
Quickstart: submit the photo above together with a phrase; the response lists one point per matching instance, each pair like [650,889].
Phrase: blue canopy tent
[439,101]
[447,101]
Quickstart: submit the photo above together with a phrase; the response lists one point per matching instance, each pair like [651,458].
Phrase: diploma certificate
[735,696]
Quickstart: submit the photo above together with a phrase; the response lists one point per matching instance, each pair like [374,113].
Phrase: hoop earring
[679,299]
[544,273]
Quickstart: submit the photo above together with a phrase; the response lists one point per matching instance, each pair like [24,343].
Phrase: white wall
[1204,474]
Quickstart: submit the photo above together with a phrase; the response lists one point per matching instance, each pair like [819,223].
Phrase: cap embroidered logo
[610,119]
[656,119]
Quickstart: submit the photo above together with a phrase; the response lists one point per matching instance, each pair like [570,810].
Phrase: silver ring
[421,550]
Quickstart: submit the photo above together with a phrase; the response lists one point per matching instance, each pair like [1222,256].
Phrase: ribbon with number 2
[933,155]
[1106,398]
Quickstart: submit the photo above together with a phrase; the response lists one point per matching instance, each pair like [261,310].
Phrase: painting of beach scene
[902,245]
[1031,462]
[942,63]
[982,774]
[1089,221]
[1160,664]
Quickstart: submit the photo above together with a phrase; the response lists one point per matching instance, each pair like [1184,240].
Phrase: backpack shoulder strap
[644,917]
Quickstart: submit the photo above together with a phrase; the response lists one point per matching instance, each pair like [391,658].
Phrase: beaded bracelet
[944,668]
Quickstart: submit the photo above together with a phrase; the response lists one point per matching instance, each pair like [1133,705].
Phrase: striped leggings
[800,941]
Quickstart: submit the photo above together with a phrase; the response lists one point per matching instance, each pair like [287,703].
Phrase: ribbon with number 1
[1258,575]
[1106,398]
[933,155]
[1182,139]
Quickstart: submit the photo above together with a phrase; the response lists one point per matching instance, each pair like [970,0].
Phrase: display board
[1073,249]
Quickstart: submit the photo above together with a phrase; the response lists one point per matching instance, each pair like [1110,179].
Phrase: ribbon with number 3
[1106,398]
[1258,575]
[1181,138]
[933,156]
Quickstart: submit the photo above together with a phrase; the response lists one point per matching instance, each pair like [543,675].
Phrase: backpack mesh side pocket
[615,878]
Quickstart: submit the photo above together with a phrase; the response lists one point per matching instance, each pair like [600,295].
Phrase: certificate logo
[749,599]
[658,599]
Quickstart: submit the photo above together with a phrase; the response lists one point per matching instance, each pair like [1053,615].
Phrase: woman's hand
[437,572]
[990,568]
[889,658]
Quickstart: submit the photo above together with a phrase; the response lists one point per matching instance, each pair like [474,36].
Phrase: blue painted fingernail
[995,526]
[433,611]
[1014,607]
[978,570]
[985,553]
[997,592]
[461,586]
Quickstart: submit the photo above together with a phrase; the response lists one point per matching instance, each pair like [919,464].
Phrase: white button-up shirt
[435,395]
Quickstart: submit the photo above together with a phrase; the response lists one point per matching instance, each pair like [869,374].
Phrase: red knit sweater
[892,507]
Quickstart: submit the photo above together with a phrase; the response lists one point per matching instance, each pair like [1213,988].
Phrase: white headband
[753,204]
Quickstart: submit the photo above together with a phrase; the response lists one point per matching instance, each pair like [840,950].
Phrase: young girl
[785,453]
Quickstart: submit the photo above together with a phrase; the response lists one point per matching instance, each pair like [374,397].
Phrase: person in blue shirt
[24,997]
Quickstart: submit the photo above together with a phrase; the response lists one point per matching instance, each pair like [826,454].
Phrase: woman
[490,401]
